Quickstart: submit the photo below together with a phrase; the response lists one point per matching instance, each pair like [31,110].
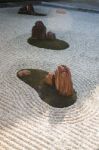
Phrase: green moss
[47,93]
[49,44]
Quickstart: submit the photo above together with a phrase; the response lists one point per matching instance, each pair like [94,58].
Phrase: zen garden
[49,75]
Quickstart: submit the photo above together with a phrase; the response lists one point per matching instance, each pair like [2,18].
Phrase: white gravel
[28,123]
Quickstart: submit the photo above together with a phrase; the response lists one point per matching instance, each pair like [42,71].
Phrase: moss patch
[49,44]
[47,93]
[33,13]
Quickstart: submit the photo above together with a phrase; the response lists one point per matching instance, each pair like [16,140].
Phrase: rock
[24,73]
[39,31]
[62,81]
[50,35]
[49,79]
[27,9]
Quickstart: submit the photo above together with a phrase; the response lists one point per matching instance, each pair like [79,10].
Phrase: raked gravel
[28,123]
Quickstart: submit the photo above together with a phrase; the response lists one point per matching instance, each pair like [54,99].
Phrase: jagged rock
[62,81]
[39,31]
[49,79]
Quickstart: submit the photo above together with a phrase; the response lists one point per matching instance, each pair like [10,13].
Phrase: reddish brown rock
[24,73]
[39,31]
[62,81]
[50,35]
[49,79]
[61,11]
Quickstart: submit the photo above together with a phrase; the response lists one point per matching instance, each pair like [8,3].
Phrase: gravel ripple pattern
[28,123]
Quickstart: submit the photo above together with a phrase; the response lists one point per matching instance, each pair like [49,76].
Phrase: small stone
[24,73]
[61,11]
[50,35]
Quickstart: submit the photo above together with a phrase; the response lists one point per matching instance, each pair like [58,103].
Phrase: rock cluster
[39,32]
[61,79]
[27,9]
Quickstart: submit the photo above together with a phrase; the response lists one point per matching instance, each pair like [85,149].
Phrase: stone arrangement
[39,32]
[29,10]
[45,39]
[61,79]
[56,89]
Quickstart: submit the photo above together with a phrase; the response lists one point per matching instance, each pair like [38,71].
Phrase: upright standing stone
[39,31]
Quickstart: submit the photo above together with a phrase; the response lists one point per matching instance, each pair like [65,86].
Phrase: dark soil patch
[34,13]
[55,44]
